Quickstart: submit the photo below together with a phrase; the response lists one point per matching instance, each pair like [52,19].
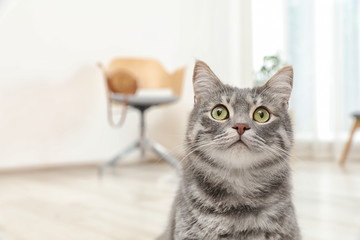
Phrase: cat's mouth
[239,143]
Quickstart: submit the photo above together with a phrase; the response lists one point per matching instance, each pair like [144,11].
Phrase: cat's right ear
[205,81]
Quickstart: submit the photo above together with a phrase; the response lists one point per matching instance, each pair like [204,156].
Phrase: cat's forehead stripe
[259,100]
[250,100]
[225,99]
[232,99]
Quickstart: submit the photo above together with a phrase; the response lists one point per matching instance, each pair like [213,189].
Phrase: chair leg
[118,157]
[348,144]
[142,142]
[163,153]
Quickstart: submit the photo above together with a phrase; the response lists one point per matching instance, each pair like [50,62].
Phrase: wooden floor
[132,202]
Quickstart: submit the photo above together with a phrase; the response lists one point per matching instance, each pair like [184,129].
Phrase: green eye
[220,112]
[261,115]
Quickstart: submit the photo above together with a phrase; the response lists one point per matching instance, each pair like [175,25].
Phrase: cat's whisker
[196,149]
[220,135]
[260,138]
[185,149]
[201,140]
[282,150]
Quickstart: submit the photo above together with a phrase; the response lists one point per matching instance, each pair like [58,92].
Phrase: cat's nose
[241,128]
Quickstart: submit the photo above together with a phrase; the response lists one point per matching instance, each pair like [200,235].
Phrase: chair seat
[143,101]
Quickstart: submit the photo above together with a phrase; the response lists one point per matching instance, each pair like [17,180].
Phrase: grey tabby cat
[235,178]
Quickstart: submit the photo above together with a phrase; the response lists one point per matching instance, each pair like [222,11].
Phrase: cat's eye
[261,115]
[220,112]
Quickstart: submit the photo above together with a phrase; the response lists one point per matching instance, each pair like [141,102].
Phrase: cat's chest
[207,226]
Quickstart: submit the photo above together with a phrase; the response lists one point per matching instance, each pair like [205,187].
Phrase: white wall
[268,39]
[52,101]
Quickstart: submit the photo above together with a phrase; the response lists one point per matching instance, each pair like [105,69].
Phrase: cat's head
[240,128]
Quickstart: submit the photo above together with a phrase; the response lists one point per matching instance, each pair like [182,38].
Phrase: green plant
[270,65]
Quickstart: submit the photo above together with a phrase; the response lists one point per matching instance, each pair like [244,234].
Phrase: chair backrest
[148,73]
[121,82]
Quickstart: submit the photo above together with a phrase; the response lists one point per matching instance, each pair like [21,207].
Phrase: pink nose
[241,128]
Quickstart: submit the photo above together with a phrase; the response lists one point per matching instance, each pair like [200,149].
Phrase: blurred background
[53,98]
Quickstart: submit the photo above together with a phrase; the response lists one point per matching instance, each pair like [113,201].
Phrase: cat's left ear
[281,84]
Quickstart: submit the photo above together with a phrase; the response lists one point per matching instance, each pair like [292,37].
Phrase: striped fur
[230,190]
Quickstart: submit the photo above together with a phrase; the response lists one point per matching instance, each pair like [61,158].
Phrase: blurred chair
[348,144]
[148,74]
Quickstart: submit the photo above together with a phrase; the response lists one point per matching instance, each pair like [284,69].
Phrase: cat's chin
[238,155]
